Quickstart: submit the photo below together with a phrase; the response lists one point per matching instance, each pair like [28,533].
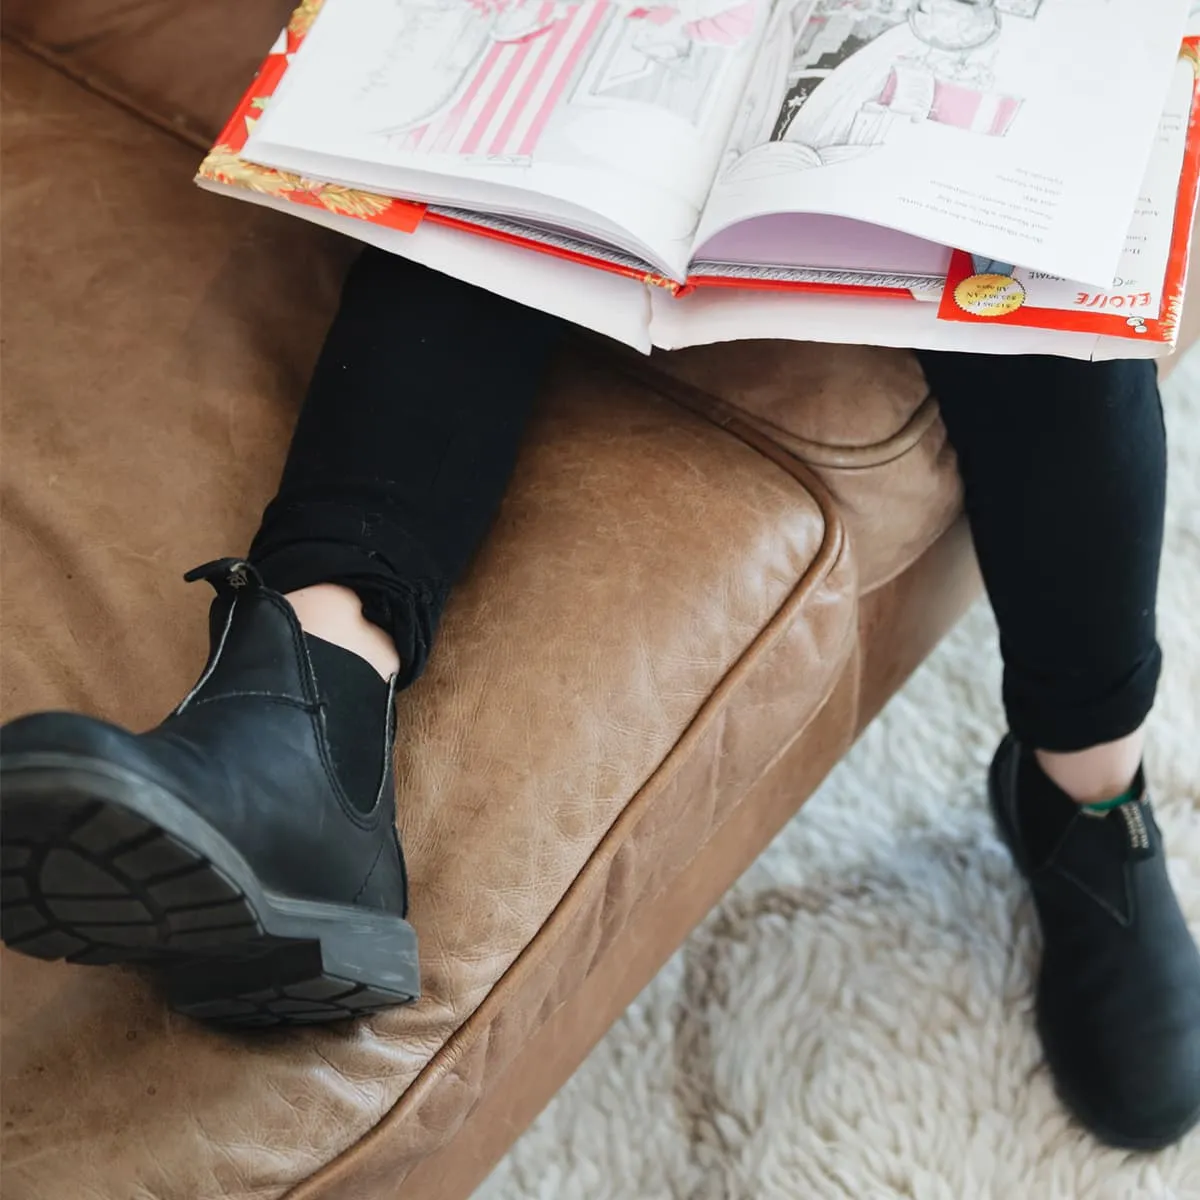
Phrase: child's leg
[1064,470]
[402,451]
[246,847]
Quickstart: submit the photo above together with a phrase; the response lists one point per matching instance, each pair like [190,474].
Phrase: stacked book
[1008,176]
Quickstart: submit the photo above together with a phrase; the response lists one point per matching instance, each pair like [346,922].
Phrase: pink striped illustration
[516,54]
[566,70]
[504,108]
[451,123]
[530,86]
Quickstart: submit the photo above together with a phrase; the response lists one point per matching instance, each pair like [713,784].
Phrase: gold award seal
[989,295]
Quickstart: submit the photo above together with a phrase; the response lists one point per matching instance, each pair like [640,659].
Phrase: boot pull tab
[226,575]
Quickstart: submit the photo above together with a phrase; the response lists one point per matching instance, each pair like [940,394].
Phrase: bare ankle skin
[334,613]
[1098,773]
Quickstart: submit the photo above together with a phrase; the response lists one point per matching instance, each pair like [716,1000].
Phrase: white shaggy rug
[854,1020]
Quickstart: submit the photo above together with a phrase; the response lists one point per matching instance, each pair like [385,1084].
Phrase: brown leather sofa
[712,570]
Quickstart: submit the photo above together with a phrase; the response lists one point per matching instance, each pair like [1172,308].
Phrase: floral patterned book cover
[225,165]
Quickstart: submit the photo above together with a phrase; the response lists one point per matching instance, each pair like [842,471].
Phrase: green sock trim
[1103,806]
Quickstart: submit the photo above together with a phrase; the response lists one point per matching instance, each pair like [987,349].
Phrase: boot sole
[99,865]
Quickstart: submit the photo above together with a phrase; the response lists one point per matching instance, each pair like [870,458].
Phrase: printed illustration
[836,78]
[492,73]
[668,56]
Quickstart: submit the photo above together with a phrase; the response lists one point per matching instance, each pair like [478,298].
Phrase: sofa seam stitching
[96,85]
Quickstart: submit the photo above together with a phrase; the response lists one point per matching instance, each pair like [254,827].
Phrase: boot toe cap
[1134,1085]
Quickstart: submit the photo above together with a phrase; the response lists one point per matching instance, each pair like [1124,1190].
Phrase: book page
[1134,305]
[618,108]
[826,250]
[1017,129]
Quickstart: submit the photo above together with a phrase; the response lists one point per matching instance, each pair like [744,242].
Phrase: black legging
[404,445]
[411,426]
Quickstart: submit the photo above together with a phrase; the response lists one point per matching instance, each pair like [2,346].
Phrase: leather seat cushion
[661,607]
[183,65]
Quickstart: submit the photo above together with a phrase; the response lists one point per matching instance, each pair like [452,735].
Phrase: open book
[678,171]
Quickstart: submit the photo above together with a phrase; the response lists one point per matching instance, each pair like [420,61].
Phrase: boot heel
[361,963]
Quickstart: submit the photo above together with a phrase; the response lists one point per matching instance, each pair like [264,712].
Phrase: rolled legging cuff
[1040,715]
[402,596]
